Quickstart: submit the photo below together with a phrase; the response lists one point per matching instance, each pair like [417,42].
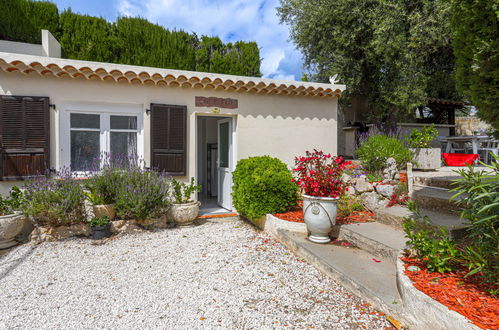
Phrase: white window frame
[105,111]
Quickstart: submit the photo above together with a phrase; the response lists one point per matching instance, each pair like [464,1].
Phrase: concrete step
[378,239]
[436,199]
[395,216]
[436,181]
[353,268]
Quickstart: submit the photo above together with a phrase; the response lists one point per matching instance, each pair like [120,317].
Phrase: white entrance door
[224,163]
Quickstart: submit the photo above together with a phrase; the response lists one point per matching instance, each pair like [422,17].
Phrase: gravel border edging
[423,311]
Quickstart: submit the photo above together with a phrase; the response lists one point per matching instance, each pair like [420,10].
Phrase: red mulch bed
[296,215]
[467,296]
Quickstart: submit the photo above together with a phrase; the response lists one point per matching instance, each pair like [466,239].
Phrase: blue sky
[231,20]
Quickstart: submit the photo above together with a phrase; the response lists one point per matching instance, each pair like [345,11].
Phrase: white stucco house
[58,112]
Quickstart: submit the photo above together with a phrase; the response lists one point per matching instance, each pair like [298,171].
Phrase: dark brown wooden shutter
[169,138]
[24,136]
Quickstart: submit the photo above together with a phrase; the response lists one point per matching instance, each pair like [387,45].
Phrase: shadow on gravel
[7,265]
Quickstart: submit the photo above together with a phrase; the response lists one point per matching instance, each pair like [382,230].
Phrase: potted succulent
[425,157]
[319,177]
[11,220]
[101,227]
[184,210]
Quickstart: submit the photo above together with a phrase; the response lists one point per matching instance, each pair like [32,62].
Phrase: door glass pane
[123,147]
[79,120]
[123,122]
[224,145]
[85,150]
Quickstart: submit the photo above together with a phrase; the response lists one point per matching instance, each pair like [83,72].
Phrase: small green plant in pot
[11,221]
[101,227]
[184,210]
[419,141]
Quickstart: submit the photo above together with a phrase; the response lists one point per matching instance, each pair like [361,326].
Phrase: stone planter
[320,217]
[427,158]
[184,214]
[107,210]
[10,226]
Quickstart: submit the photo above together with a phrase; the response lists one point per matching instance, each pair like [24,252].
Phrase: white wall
[279,126]
[50,47]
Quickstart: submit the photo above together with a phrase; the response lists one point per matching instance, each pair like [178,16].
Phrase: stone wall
[468,125]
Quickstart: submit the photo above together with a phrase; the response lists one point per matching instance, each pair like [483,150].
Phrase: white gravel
[218,274]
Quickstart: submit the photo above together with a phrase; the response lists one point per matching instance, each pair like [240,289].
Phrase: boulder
[385,190]
[361,185]
[124,226]
[48,233]
[373,202]
[350,190]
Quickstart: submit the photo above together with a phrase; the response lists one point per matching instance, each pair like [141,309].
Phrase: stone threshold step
[436,199]
[376,238]
[395,216]
[353,268]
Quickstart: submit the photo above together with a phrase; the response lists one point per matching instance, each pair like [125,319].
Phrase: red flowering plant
[318,174]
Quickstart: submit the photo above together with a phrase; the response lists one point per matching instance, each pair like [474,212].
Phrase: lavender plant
[143,194]
[55,201]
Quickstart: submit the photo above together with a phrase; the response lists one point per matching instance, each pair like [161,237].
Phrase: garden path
[217,273]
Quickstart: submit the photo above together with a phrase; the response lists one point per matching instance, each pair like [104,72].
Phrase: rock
[373,202]
[346,179]
[350,191]
[385,190]
[124,226]
[48,233]
[362,185]
[413,269]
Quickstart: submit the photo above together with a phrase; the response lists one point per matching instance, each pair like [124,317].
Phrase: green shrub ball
[263,185]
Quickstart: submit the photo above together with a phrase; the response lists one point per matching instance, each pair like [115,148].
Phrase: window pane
[85,150]
[123,146]
[224,145]
[123,122]
[79,120]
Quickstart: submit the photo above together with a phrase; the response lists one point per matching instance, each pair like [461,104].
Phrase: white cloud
[231,20]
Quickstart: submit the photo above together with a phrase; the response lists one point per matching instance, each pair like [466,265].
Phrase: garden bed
[296,215]
[467,296]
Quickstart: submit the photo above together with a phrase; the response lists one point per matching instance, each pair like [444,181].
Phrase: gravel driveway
[221,274]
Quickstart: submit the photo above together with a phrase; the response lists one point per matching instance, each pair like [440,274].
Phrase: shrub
[99,222]
[103,186]
[422,138]
[480,201]
[13,202]
[349,204]
[58,201]
[378,148]
[182,192]
[319,174]
[143,194]
[263,185]
[430,244]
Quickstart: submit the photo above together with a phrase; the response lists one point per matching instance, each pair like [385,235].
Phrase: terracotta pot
[107,210]
[10,226]
[320,217]
[184,214]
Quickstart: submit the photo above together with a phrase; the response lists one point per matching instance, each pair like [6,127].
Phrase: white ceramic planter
[320,217]
[427,158]
[10,226]
[184,214]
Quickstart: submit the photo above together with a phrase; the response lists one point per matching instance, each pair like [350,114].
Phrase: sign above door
[209,102]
